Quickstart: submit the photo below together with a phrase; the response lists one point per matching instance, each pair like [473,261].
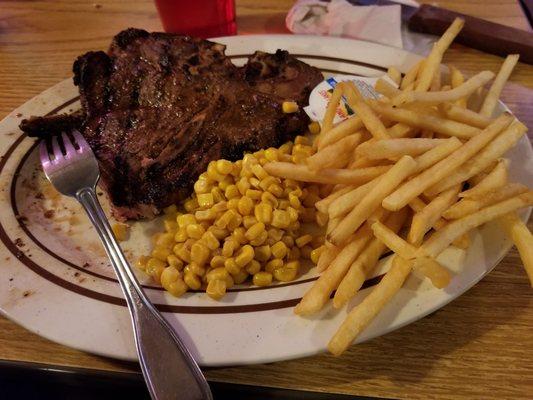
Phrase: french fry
[462,242]
[300,172]
[331,109]
[361,316]
[394,74]
[492,181]
[344,203]
[370,119]
[440,152]
[323,205]
[327,256]
[457,79]
[336,155]
[469,206]
[342,129]
[393,241]
[411,75]
[369,203]
[436,82]
[316,297]
[430,268]
[497,86]
[482,160]
[411,189]
[386,89]
[432,63]
[365,263]
[445,236]
[399,130]
[517,230]
[465,116]
[466,89]
[391,148]
[426,218]
[446,127]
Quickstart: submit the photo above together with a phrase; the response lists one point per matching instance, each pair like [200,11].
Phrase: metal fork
[169,369]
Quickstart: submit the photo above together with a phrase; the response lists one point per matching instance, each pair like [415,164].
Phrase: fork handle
[169,369]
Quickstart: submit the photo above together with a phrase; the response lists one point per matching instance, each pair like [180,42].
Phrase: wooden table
[479,346]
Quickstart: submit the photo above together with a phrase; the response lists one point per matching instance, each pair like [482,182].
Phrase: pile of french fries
[414,171]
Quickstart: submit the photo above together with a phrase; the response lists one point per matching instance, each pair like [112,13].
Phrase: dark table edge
[59,381]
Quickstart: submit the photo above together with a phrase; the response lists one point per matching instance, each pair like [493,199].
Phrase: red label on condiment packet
[319,97]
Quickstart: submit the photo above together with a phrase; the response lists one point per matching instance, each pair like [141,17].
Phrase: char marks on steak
[157,108]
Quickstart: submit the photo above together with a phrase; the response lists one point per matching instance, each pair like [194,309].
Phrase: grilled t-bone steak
[157,108]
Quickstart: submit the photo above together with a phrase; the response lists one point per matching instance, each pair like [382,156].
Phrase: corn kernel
[275,234]
[199,253]
[216,289]
[177,288]
[218,195]
[169,275]
[225,219]
[280,219]
[285,148]
[314,128]
[260,240]
[120,231]
[284,204]
[231,266]
[205,215]
[202,186]
[210,240]
[269,198]
[289,107]
[205,200]
[248,221]
[315,254]
[294,254]
[294,201]
[262,278]
[288,240]
[175,262]
[171,225]
[259,172]
[293,214]
[212,172]
[263,253]
[254,194]
[217,262]
[245,205]
[254,182]
[263,212]
[233,204]
[303,240]
[185,219]
[243,185]
[190,205]
[245,256]
[165,240]
[197,268]
[255,230]
[253,267]
[182,252]
[230,245]
[141,262]
[219,207]
[192,281]
[269,180]
[271,154]
[276,190]
[161,253]
[232,192]
[235,222]
[217,273]
[239,235]
[301,140]
[224,167]
[154,263]
[285,274]
[279,250]
[229,281]
[224,185]
[240,277]
[274,264]
[195,231]
[181,235]
[219,233]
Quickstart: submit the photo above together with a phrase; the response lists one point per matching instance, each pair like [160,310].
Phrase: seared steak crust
[157,108]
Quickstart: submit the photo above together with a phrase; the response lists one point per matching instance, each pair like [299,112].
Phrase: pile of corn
[240,223]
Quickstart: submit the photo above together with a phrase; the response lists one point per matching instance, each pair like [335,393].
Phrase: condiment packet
[319,97]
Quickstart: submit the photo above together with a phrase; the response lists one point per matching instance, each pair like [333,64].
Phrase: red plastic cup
[200,18]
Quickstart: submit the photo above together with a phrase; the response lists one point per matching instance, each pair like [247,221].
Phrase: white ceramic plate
[57,282]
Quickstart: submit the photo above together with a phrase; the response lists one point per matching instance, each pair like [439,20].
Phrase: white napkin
[380,24]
